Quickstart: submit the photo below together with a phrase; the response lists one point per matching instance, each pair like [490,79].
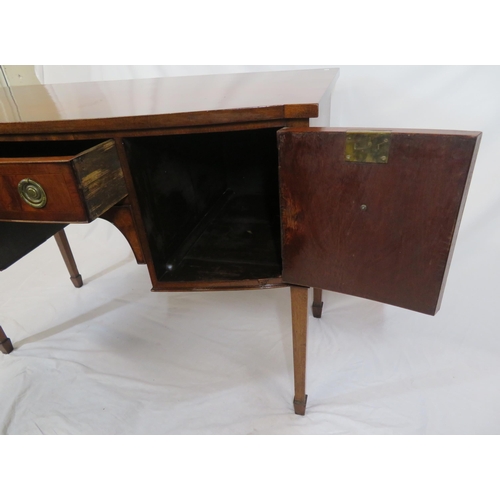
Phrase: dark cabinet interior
[40,149]
[210,204]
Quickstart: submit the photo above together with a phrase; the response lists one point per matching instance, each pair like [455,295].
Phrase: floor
[114,358]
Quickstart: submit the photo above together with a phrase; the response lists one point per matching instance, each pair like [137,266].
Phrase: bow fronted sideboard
[222,183]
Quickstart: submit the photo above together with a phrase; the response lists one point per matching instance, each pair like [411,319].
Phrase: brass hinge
[367,147]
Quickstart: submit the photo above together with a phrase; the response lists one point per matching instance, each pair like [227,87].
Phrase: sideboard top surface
[163,102]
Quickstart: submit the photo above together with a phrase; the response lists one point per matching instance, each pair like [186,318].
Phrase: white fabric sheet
[114,358]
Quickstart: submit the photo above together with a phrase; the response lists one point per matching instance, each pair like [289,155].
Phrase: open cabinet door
[373,214]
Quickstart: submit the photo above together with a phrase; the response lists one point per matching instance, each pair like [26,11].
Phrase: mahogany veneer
[229,188]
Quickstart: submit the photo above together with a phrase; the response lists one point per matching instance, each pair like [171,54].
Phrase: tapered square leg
[317,307]
[299,296]
[69,260]
[5,343]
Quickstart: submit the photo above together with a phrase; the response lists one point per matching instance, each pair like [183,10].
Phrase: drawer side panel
[100,178]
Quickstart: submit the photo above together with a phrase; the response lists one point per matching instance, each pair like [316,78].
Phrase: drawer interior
[210,204]
[33,149]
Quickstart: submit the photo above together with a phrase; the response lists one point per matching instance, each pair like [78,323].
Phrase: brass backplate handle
[367,147]
[32,193]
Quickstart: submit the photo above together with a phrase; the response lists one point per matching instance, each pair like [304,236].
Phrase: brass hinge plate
[367,147]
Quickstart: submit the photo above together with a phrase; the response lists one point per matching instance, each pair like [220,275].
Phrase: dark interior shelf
[239,242]
[210,203]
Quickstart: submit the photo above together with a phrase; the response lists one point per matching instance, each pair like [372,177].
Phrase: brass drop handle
[32,193]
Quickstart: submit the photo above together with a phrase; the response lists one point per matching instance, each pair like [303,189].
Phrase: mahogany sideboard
[221,183]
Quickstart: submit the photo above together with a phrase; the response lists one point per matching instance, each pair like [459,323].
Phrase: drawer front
[63,202]
[61,189]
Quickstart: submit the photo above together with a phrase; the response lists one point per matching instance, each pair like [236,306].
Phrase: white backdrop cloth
[114,358]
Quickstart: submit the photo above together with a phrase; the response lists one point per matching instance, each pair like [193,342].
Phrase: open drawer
[60,181]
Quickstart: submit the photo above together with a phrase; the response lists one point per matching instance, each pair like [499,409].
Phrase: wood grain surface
[163,102]
[379,231]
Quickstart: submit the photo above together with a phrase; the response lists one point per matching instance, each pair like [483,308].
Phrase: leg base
[77,281]
[317,309]
[69,260]
[6,346]
[300,406]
